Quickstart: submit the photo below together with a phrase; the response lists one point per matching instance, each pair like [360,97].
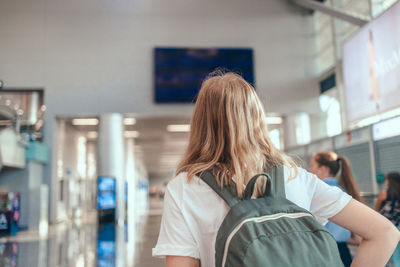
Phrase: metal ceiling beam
[350,17]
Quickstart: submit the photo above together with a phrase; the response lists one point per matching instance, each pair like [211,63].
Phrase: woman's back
[193,212]
[229,135]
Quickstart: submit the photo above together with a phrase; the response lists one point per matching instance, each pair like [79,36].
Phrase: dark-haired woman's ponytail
[346,179]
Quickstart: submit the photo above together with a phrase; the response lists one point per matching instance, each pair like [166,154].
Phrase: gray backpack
[271,230]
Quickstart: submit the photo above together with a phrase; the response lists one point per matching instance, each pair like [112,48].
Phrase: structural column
[111,157]
[131,178]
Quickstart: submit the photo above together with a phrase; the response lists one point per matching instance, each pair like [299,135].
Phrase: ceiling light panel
[85,122]
[178,128]
[129,121]
[274,120]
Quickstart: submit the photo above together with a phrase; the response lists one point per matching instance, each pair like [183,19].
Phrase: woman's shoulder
[175,189]
[177,183]
[297,174]
[192,196]
[293,178]
[178,179]
[181,183]
[300,181]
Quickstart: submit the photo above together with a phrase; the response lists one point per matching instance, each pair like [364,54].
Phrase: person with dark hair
[327,166]
[329,163]
[388,204]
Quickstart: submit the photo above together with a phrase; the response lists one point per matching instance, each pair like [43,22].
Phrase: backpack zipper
[258,220]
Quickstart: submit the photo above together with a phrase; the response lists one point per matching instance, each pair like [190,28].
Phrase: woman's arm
[379,235]
[354,239]
[382,197]
[178,261]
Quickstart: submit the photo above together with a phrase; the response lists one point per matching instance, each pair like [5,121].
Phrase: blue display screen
[106,193]
[106,253]
[180,71]
[106,245]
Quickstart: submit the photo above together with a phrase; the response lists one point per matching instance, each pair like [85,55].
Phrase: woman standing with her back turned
[327,166]
[229,134]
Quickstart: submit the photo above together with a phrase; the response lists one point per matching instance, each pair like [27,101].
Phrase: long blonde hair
[228,133]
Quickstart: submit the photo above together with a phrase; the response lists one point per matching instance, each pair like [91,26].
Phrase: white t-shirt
[193,212]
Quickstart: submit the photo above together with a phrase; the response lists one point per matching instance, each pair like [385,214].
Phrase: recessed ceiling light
[178,128]
[274,120]
[129,121]
[88,121]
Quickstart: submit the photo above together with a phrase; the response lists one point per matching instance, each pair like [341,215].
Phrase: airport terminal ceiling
[121,79]
[160,141]
[84,30]
[158,149]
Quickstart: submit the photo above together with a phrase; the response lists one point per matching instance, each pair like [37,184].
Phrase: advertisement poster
[371,67]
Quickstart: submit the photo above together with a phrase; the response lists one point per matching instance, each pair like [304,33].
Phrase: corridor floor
[83,243]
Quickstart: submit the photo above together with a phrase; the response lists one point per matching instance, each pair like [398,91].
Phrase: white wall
[66,154]
[95,56]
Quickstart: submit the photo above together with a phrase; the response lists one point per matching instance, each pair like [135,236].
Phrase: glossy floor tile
[84,243]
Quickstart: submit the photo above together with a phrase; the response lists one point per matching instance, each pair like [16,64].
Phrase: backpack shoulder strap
[275,186]
[228,193]
[277,181]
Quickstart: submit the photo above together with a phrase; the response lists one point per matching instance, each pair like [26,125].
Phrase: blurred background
[96,98]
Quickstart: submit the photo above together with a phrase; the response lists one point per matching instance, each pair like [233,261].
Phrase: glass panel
[343,30]
[379,6]
[330,106]
[325,55]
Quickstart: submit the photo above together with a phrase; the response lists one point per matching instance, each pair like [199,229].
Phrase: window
[379,6]
[303,134]
[275,136]
[330,106]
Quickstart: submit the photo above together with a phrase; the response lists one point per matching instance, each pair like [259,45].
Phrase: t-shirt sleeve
[327,201]
[175,238]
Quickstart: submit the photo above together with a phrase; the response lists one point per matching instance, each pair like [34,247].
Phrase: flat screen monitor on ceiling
[178,72]
[371,67]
